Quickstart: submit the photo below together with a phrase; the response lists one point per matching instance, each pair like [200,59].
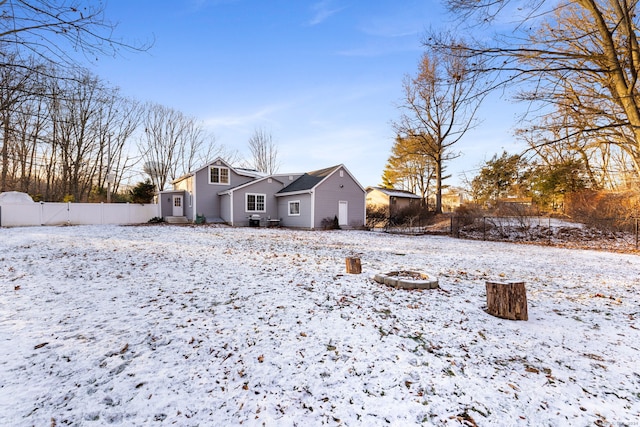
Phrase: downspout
[364,219]
[313,208]
[194,192]
[231,206]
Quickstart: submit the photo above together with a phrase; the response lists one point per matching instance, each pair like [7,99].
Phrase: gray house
[219,192]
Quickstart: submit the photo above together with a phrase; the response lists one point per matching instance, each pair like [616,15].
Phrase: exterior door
[343,210]
[178,210]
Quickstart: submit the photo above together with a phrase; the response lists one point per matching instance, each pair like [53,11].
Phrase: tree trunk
[507,300]
[438,207]
[5,153]
[353,265]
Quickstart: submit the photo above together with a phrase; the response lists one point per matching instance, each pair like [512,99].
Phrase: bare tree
[438,108]
[52,30]
[581,56]
[65,134]
[15,87]
[118,118]
[264,152]
[173,144]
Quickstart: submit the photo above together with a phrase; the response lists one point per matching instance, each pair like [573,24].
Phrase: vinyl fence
[29,214]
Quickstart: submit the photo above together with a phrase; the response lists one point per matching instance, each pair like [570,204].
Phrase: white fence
[16,215]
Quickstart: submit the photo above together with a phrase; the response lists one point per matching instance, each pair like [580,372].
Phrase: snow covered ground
[179,325]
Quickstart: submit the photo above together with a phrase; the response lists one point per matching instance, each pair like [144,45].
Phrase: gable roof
[392,192]
[240,171]
[309,180]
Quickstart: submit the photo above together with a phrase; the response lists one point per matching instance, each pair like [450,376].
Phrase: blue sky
[323,77]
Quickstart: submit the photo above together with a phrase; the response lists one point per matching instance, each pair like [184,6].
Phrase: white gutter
[195,209]
[313,208]
[231,207]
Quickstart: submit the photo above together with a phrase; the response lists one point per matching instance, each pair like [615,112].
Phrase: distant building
[452,198]
[392,199]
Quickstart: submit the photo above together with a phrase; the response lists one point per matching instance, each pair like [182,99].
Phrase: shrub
[329,223]
[603,209]
[377,216]
[143,192]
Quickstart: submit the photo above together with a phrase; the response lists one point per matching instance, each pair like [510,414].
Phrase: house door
[343,209]
[177,206]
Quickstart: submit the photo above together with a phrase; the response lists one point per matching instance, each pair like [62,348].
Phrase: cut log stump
[507,300]
[353,265]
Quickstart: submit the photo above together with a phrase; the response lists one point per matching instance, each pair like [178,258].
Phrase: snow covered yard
[171,325]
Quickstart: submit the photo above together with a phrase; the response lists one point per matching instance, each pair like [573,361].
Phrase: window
[218,175]
[177,202]
[294,208]
[255,203]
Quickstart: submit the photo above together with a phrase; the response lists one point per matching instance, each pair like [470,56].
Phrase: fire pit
[407,280]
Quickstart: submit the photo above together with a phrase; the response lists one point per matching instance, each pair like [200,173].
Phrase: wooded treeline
[67,135]
[574,65]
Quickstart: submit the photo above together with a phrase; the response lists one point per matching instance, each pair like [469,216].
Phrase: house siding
[186,185]
[208,202]
[319,193]
[335,189]
[240,214]
[166,204]
[225,206]
[301,221]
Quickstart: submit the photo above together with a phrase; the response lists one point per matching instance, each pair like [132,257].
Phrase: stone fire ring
[407,280]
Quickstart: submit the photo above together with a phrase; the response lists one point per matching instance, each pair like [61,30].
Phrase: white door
[177,206]
[343,212]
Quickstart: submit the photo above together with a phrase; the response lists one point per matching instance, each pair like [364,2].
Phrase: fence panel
[54,214]
[16,215]
[20,214]
[85,213]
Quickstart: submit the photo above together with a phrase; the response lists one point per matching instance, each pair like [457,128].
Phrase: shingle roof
[308,180]
[397,193]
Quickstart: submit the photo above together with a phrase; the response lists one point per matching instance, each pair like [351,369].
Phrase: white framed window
[294,208]
[255,202]
[218,175]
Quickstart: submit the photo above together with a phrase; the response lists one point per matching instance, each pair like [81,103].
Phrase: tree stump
[353,265]
[507,300]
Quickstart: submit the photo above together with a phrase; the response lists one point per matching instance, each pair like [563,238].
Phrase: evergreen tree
[143,192]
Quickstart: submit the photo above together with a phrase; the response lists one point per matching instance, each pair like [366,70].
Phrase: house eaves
[247,184]
[182,178]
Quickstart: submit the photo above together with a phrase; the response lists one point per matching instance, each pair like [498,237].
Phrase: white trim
[294,193]
[346,204]
[220,168]
[313,209]
[247,184]
[180,205]
[264,203]
[289,208]
[194,212]
[230,208]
